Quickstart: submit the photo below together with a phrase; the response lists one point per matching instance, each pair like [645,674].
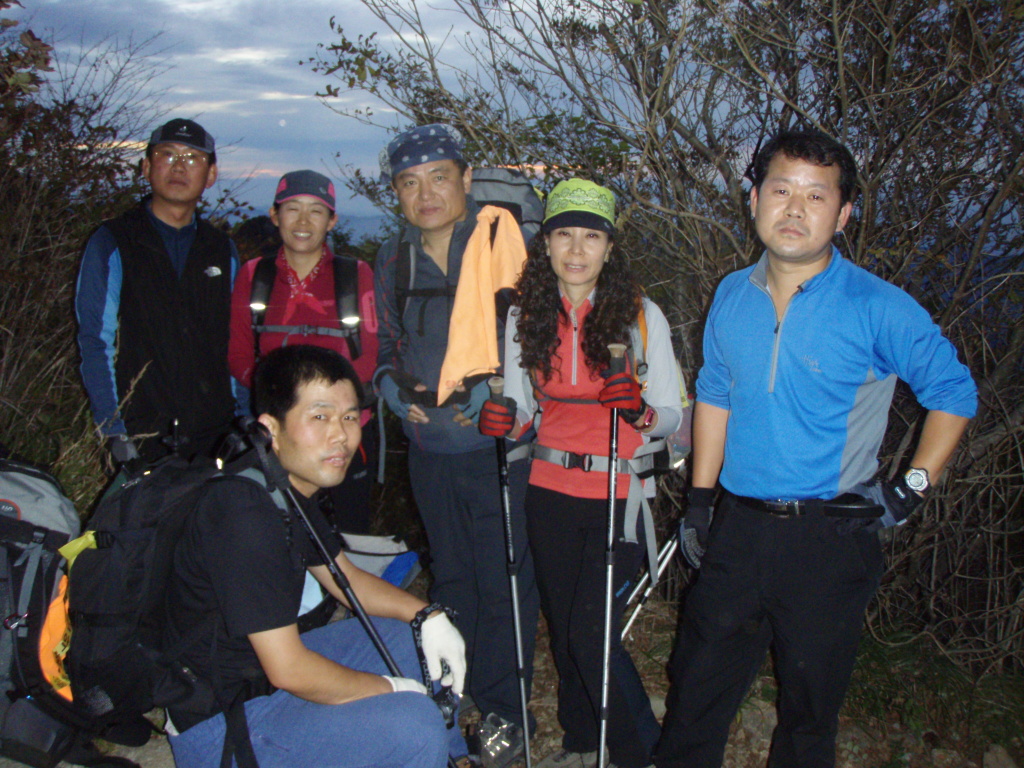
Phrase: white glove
[406,684]
[442,641]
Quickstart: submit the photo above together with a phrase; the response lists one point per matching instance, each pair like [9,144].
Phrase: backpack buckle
[582,461]
[15,620]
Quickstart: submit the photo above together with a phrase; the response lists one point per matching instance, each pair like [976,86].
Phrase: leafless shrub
[667,100]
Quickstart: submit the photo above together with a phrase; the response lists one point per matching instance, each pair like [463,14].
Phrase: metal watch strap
[417,635]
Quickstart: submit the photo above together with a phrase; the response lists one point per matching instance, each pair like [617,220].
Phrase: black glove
[899,501]
[399,391]
[694,527]
[476,393]
[122,449]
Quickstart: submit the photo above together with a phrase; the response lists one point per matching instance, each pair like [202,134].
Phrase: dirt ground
[650,644]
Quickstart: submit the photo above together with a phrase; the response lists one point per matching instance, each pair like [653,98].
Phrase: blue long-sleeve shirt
[809,394]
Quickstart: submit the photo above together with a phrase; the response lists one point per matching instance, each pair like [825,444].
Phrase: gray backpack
[33,495]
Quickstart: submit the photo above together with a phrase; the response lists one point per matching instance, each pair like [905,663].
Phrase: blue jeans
[396,729]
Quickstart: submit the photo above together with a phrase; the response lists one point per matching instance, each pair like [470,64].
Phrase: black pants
[799,585]
[459,501]
[568,536]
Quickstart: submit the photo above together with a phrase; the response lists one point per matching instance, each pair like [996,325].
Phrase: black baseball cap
[182,131]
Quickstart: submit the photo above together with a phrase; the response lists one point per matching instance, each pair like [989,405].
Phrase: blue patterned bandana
[425,144]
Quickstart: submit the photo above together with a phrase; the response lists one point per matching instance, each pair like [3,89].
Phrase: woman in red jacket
[302,309]
[576,296]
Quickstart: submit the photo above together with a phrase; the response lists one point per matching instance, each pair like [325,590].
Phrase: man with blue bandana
[453,468]
[801,356]
[153,305]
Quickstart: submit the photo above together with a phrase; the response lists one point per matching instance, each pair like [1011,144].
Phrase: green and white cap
[580,203]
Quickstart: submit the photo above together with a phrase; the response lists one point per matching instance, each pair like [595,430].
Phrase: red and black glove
[498,419]
[622,391]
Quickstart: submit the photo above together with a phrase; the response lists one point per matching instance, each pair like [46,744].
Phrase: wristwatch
[648,419]
[917,479]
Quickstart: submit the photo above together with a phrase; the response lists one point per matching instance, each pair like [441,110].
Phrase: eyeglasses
[169,157]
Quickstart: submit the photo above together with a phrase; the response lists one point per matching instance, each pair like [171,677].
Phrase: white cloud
[207,107]
[281,96]
[244,56]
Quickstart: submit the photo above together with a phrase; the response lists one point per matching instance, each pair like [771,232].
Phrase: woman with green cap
[576,296]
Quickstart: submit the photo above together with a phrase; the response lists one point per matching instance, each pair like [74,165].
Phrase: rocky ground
[859,746]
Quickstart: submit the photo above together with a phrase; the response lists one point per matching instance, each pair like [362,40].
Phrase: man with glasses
[153,305]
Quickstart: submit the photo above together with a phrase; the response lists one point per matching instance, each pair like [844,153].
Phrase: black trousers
[459,502]
[568,536]
[798,585]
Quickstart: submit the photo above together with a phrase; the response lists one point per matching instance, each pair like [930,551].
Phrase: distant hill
[364,226]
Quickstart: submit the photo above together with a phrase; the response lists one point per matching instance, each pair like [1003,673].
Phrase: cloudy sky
[234,67]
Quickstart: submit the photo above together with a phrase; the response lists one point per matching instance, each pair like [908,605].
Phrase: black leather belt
[781,508]
[846,505]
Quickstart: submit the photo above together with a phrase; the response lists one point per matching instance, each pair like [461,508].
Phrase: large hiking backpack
[508,188]
[39,723]
[118,662]
[346,303]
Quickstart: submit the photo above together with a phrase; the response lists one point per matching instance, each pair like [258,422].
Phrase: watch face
[917,480]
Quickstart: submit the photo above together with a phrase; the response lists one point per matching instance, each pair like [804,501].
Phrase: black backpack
[120,662]
[38,726]
[346,303]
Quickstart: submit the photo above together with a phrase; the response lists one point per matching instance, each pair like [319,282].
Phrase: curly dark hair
[616,307]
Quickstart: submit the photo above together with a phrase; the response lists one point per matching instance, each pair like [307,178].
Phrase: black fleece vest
[173,330]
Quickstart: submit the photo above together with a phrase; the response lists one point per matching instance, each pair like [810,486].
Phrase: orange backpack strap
[54,639]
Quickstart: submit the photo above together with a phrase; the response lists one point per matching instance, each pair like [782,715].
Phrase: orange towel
[486,268]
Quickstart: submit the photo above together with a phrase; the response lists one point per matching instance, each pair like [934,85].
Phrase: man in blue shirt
[801,356]
[153,309]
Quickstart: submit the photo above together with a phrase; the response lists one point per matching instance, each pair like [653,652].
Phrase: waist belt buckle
[784,508]
[582,461]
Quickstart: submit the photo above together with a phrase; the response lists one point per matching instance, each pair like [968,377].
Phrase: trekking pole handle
[617,363]
[497,386]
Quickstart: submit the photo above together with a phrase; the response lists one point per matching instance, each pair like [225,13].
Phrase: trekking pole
[617,364]
[664,556]
[279,477]
[497,387]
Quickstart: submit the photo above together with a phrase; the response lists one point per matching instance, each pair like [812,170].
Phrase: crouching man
[323,698]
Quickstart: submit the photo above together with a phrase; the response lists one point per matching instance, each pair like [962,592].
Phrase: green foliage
[912,684]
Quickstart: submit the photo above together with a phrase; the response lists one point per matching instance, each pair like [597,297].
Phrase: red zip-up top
[310,301]
[577,427]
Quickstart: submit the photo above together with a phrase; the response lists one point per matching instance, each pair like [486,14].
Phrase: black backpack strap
[259,297]
[405,283]
[7,607]
[237,743]
[405,273]
[346,302]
